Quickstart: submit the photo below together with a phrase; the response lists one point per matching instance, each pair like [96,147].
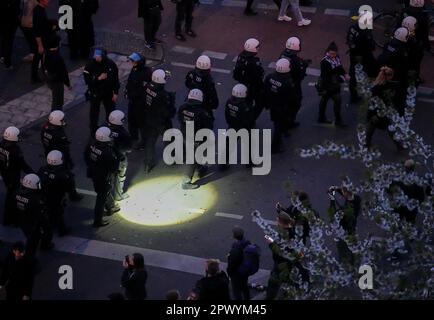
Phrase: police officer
[150,11]
[192,111]
[396,56]
[102,165]
[32,212]
[53,137]
[417,10]
[56,182]
[239,114]
[159,110]
[12,163]
[134,91]
[122,144]
[280,98]
[361,46]
[200,78]
[102,78]
[298,73]
[82,36]
[184,13]
[249,71]
[414,45]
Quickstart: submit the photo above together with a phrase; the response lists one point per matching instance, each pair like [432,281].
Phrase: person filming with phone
[134,277]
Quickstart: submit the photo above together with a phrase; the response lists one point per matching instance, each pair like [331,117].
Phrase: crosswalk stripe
[337,12]
[215,55]
[229,215]
[116,252]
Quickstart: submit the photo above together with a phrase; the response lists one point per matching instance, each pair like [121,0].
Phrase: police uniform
[101,91]
[298,73]
[361,47]
[32,212]
[56,182]
[12,163]
[135,93]
[202,80]
[184,13]
[102,163]
[192,111]
[122,144]
[280,98]
[249,71]
[159,110]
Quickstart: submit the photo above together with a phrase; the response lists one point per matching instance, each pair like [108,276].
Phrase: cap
[98,53]
[135,57]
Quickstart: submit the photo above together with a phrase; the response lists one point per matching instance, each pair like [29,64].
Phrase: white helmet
[417,3]
[159,76]
[56,118]
[409,23]
[103,134]
[293,43]
[116,117]
[55,158]
[203,63]
[11,134]
[239,91]
[401,34]
[31,181]
[283,66]
[251,45]
[195,94]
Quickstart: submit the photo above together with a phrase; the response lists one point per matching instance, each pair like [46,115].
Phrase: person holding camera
[134,277]
[332,76]
[298,73]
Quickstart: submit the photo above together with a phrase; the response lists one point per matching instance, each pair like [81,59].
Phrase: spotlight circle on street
[162,202]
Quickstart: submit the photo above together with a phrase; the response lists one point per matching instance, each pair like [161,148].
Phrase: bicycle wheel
[384,27]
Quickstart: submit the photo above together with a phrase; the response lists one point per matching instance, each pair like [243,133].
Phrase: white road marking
[116,252]
[229,215]
[308,9]
[210,2]
[87,192]
[264,6]
[313,72]
[182,49]
[233,3]
[190,66]
[425,100]
[337,12]
[215,55]
[425,90]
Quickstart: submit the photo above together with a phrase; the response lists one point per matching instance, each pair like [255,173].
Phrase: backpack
[239,72]
[251,260]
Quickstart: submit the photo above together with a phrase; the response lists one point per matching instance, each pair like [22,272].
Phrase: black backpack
[251,260]
[239,72]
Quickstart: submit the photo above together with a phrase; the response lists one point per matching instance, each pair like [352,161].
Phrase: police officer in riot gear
[159,110]
[415,46]
[240,114]
[122,144]
[280,98]
[102,165]
[361,46]
[102,78]
[200,78]
[56,182]
[298,73]
[12,163]
[192,111]
[32,212]
[418,10]
[53,137]
[249,71]
[134,91]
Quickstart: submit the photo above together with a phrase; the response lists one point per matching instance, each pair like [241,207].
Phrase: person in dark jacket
[249,71]
[81,38]
[150,11]
[134,277]
[332,75]
[159,111]
[56,73]
[298,73]
[215,285]
[418,10]
[31,207]
[239,281]
[122,143]
[102,78]
[192,111]
[135,93]
[201,78]
[415,46]
[280,98]
[102,162]
[9,22]
[18,274]
[12,164]
[184,14]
